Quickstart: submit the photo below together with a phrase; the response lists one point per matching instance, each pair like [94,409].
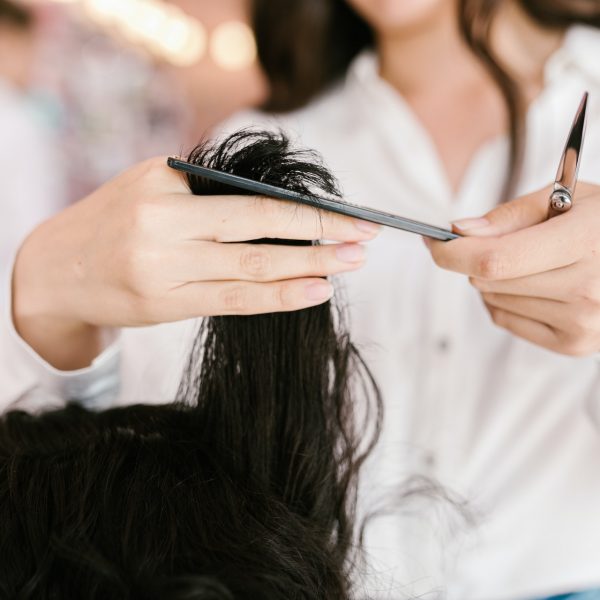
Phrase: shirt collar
[580,51]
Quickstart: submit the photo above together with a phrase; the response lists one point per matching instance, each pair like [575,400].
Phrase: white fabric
[495,420]
[31,189]
[31,179]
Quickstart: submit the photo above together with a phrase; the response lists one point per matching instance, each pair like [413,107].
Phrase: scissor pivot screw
[561,202]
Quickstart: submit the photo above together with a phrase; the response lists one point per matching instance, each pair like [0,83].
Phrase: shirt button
[443,345]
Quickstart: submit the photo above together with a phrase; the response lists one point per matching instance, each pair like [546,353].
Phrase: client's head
[244,488]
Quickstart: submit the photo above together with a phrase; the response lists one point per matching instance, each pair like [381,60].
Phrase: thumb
[508,217]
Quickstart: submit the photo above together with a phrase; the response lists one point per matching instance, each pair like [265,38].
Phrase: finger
[558,284]
[157,177]
[543,247]
[211,261]
[533,331]
[556,314]
[246,298]
[508,217]
[244,218]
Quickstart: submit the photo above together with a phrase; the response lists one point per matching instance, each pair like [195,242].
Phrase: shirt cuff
[96,386]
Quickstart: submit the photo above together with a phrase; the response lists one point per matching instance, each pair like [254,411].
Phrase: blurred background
[90,87]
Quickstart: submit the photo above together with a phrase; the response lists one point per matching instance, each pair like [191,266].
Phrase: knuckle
[145,172]
[154,166]
[234,300]
[145,215]
[256,262]
[283,297]
[316,260]
[490,265]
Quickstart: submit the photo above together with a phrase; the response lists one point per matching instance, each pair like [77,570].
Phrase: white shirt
[31,180]
[504,425]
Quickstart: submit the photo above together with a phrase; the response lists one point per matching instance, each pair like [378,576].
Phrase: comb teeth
[202,186]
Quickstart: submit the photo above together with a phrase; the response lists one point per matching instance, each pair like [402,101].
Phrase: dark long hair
[306,45]
[244,488]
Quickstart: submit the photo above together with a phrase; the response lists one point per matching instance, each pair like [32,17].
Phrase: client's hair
[245,488]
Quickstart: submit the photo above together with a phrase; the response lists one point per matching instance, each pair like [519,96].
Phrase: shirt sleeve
[26,197]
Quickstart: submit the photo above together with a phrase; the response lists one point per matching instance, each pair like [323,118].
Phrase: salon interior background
[118,81]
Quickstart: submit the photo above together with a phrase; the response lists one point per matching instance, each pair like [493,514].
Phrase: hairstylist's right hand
[142,250]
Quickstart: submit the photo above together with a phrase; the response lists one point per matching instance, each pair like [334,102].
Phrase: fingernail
[427,242]
[471,224]
[350,253]
[367,226]
[318,292]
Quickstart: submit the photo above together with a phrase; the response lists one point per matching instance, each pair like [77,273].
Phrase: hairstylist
[431,109]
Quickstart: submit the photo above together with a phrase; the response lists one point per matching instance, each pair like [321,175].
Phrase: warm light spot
[142,20]
[163,29]
[168,33]
[232,46]
[182,40]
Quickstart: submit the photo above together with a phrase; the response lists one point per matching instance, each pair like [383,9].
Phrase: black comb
[330,203]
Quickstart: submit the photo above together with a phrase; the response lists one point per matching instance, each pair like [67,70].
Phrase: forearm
[67,344]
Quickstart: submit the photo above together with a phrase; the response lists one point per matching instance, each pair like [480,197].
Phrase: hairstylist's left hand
[539,278]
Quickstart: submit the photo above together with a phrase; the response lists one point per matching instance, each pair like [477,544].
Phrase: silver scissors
[561,199]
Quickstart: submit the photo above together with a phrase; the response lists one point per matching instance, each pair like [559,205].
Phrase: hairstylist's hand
[539,279]
[142,250]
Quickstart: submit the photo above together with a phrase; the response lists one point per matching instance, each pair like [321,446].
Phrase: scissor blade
[569,164]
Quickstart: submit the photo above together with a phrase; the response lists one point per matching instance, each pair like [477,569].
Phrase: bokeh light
[167,32]
[233,46]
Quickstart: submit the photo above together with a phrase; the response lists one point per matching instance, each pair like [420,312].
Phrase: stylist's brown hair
[15,15]
[306,45]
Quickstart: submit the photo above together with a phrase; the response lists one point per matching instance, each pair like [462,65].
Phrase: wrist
[40,310]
